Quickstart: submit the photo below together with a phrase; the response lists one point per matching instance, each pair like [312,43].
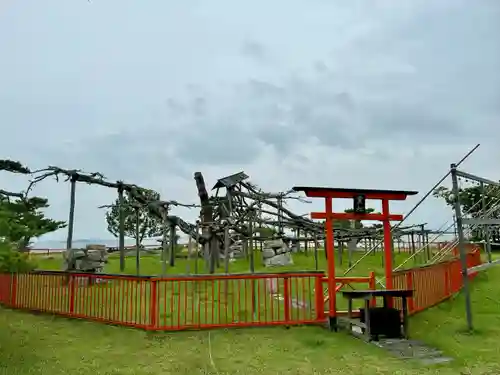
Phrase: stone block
[284,259]
[268,253]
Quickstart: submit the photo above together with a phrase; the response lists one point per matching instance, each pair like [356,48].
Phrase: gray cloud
[383,90]
[256,51]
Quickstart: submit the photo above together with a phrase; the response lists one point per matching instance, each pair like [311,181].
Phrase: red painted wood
[352,216]
[341,194]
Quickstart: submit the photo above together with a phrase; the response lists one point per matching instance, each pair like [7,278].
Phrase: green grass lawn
[31,344]
[193,303]
[152,265]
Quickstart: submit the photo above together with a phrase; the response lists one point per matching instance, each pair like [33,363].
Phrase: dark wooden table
[367,296]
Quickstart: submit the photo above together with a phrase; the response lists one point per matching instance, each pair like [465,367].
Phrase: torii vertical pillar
[359,197]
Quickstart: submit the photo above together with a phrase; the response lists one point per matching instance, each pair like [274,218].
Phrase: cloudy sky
[365,94]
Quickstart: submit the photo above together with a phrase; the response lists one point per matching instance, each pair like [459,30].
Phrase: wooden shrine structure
[359,197]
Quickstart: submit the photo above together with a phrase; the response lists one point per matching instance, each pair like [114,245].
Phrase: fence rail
[435,283]
[172,303]
[207,301]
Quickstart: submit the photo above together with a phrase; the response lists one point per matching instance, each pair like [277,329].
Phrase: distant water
[82,243]
[113,242]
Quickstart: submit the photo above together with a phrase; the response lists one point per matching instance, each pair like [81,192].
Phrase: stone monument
[89,260]
[276,253]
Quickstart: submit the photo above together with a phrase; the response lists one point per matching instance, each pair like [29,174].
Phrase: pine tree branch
[9,194]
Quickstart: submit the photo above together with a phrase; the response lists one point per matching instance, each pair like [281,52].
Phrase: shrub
[12,260]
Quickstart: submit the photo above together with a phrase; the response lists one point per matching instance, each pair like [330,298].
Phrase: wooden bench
[369,295]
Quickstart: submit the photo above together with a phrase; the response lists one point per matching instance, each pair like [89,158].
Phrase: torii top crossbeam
[359,213]
[326,192]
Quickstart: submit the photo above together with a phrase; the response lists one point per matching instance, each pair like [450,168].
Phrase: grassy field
[187,303]
[32,344]
[194,303]
[151,264]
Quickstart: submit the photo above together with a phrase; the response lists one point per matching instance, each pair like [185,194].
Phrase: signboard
[359,204]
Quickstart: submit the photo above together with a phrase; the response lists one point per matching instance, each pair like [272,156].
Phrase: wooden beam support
[347,194]
[352,216]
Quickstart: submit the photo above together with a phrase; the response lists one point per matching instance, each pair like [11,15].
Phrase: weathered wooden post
[206,252]
[137,239]
[121,229]
[189,255]
[71,220]
[423,243]
[197,244]
[173,244]
[280,214]
[250,242]
[316,244]
[306,243]
[252,260]
[261,242]
[164,249]
[413,247]
[340,250]
[244,247]
[226,259]
[349,255]
[226,249]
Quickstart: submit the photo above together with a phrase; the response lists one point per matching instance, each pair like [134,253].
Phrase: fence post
[473,259]
[372,284]
[13,289]
[72,287]
[153,304]
[320,306]
[409,285]
[286,292]
[455,276]
[447,283]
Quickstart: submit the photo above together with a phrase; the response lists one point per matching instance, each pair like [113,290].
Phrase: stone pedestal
[89,260]
[276,253]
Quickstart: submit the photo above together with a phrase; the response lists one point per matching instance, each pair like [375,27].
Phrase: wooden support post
[71,220]
[226,260]
[137,241]
[189,255]
[226,249]
[413,249]
[332,306]
[316,266]
[373,285]
[173,245]
[251,243]
[387,244]
[164,248]
[121,227]
[197,246]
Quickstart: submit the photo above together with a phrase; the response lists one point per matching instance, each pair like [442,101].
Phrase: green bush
[12,260]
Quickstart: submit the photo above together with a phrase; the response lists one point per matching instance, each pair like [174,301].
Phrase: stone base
[284,259]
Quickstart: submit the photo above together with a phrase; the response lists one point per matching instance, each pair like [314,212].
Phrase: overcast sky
[364,94]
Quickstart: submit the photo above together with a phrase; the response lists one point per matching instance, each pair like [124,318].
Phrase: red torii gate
[359,196]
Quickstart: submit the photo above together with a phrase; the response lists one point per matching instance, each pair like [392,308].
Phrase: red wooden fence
[205,301]
[435,283]
[172,303]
